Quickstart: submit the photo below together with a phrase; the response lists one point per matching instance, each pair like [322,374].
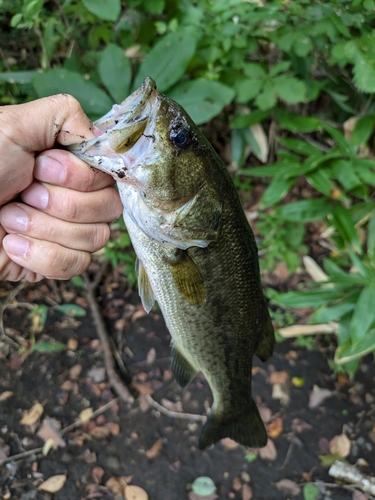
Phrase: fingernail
[36,195]
[14,219]
[48,169]
[16,245]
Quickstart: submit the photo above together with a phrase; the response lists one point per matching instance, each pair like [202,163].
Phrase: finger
[11,271]
[64,169]
[43,257]
[17,218]
[74,206]
[36,125]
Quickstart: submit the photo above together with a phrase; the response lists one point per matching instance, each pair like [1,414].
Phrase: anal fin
[266,341]
[144,287]
[182,370]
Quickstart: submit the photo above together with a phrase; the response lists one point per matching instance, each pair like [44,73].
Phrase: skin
[54,209]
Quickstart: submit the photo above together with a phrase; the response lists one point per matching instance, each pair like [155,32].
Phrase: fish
[196,253]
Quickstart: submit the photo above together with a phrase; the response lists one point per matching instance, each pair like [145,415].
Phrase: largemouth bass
[196,253]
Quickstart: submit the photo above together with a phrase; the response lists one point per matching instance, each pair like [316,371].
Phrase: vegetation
[301,74]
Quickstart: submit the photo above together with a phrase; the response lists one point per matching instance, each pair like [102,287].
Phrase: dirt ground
[310,412]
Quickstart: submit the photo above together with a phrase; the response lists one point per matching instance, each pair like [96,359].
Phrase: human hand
[66,204]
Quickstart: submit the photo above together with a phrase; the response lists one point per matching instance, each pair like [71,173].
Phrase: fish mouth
[126,133]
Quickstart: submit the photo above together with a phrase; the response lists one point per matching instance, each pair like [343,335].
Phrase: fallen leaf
[265,414]
[247,492]
[86,414]
[5,395]
[275,428]
[301,330]
[299,425]
[155,449]
[50,430]
[100,431]
[281,392]
[117,485]
[298,381]
[358,495]
[269,452]
[138,314]
[194,496]
[31,416]
[135,493]
[314,270]
[288,487]
[318,395]
[97,474]
[262,141]
[340,445]
[144,389]
[53,484]
[328,460]
[151,356]
[281,271]
[236,484]
[75,372]
[279,377]
[229,444]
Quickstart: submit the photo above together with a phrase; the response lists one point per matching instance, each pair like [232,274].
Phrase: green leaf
[297,123]
[363,315]
[279,67]
[343,170]
[115,72]
[348,352]
[48,346]
[371,237]
[290,169]
[247,89]
[314,298]
[311,492]
[203,486]
[340,140]
[40,310]
[299,146]
[237,146]
[276,190]
[339,276]
[93,100]
[18,76]
[327,314]
[250,457]
[305,210]
[167,61]
[345,226]
[320,181]
[108,10]
[328,460]
[302,46]
[267,99]
[78,281]
[202,99]
[254,70]
[15,20]
[71,310]
[244,121]
[364,74]
[363,129]
[290,89]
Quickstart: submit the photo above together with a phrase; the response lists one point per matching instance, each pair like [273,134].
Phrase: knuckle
[63,263]
[98,236]
[70,208]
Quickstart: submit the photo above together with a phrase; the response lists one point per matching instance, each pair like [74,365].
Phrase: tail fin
[245,428]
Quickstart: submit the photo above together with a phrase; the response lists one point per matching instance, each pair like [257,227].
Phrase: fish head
[149,141]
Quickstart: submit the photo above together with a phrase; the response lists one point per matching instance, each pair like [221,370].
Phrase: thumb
[37,125]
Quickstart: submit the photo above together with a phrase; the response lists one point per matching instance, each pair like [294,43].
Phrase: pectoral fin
[182,370]
[144,287]
[187,276]
[266,341]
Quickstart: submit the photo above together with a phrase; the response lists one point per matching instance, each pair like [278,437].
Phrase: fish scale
[196,253]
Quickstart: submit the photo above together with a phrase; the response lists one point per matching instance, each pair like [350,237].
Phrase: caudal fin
[245,428]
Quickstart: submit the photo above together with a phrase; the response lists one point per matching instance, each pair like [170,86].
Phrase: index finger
[62,168]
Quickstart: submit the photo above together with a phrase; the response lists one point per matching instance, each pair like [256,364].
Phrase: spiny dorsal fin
[144,287]
[187,276]
[182,370]
[266,341]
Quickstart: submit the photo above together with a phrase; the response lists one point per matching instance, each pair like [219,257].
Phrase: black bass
[195,249]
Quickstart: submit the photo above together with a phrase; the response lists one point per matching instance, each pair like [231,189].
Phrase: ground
[309,411]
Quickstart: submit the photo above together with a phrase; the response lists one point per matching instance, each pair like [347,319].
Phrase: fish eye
[180,137]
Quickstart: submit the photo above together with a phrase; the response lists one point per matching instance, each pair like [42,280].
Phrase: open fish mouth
[126,133]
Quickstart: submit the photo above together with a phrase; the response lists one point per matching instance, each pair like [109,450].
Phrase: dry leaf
[358,495]
[318,395]
[269,452]
[135,493]
[151,356]
[301,330]
[75,372]
[72,344]
[31,416]
[275,428]
[247,492]
[50,430]
[229,444]
[314,270]
[281,392]
[288,487]
[236,484]
[97,474]
[279,377]
[53,484]
[299,425]
[194,496]
[348,126]
[265,414]
[5,395]
[86,414]
[144,389]
[340,445]
[117,485]
[262,141]
[155,449]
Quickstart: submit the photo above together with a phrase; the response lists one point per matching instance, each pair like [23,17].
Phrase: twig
[11,295]
[99,411]
[55,290]
[174,414]
[113,378]
[21,455]
[350,474]
[289,452]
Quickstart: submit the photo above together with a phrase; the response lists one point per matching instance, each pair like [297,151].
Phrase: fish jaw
[124,137]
